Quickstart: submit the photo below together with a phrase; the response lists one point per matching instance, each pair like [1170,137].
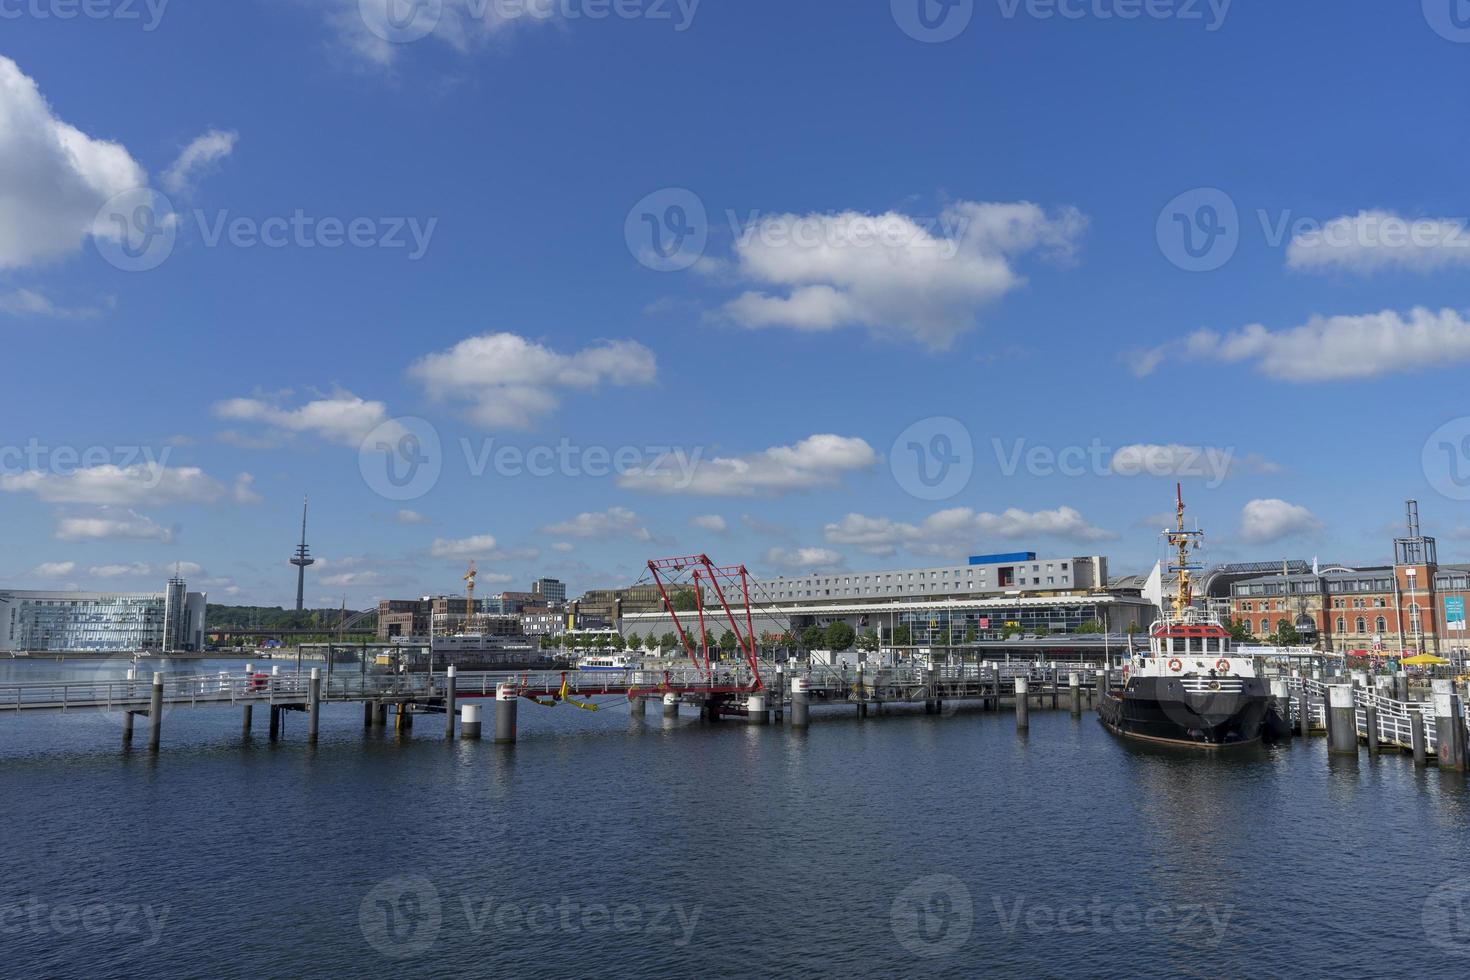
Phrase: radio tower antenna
[301,559]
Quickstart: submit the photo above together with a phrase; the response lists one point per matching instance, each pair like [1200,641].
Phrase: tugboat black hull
[1186,712]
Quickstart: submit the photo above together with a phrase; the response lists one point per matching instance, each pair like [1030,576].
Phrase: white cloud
[563,547]
[122,525]
[31,302]
[1377,241]
[55,178]
[1265,521]
[352,579]
[713,523]
[614,521]
[54,569]
[142,569]
[406,516]
[510,382]
[143,484]
[953,531]
[202,153]
[363,27]
[799,560]
[1336,348]
[899,277]
[1176,460]
[243,492]
[817,461]
[481,546]
[340,417]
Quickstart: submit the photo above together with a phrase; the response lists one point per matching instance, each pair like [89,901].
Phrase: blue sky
[881,233]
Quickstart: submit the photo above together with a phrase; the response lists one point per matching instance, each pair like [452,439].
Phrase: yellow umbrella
[1426,660]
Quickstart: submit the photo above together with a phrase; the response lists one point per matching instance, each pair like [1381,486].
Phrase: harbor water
[906,844]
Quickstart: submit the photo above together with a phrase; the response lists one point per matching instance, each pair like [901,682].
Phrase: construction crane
[469,589]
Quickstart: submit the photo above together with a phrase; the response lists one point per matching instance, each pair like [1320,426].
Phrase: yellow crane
[469,589]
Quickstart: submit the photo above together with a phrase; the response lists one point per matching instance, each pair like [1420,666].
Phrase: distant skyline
[560,294]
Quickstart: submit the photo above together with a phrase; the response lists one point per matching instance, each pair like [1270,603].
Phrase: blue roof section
[1002,559]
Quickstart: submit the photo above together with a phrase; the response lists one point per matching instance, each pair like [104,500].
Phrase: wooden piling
[247,715]
[275,729]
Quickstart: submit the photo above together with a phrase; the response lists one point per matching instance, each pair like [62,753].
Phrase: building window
[1381,627]
[1362,627]
[1341,625]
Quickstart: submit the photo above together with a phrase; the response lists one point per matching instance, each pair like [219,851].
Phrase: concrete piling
[1304,714]
[638,708]
[1449,726]
[1074,693]
[449,693]
[1370,717]
[755,708]
[127,728]
[403,720]
[1023,709]
[1281,694]
[469,722]
[1401,686]
[1056,691]
[931,691]
[155,713]
[800,706]
[369,713]
[275,722]
[1342,727]
[380,714]
[779,706]
[1417,739]
[313,704]
[247,715]
[505,714]
[671,705]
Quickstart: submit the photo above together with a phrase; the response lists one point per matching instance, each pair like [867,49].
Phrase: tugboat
[1189,690]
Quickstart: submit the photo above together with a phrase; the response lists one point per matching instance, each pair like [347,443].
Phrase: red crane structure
[717,577]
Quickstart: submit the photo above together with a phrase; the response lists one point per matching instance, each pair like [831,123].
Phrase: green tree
[686,600]
[601,641]
[710,643]
[972,636]
[1240,631]
[868,642]
[902,637]
[1091,626]
[728,642]
[813,638]
[1286,634]
[840,636]
[617,642]
[668,642]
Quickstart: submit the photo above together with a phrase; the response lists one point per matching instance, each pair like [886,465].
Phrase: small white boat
[607,661]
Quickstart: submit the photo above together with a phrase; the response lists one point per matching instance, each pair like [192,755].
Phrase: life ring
[1222,664]
[1175,665]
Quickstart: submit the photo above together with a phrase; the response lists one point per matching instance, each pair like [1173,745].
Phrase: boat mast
[1180,539]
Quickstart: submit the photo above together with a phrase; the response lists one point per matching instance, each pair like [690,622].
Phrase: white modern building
[102,622]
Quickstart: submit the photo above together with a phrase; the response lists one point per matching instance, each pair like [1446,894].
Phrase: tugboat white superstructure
[1190,689]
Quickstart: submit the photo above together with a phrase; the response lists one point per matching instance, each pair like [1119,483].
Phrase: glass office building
[98,622]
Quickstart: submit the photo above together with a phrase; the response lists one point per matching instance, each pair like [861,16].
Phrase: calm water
[896,846]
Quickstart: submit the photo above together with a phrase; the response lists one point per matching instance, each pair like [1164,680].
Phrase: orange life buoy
[1175,665]
[1222,664]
